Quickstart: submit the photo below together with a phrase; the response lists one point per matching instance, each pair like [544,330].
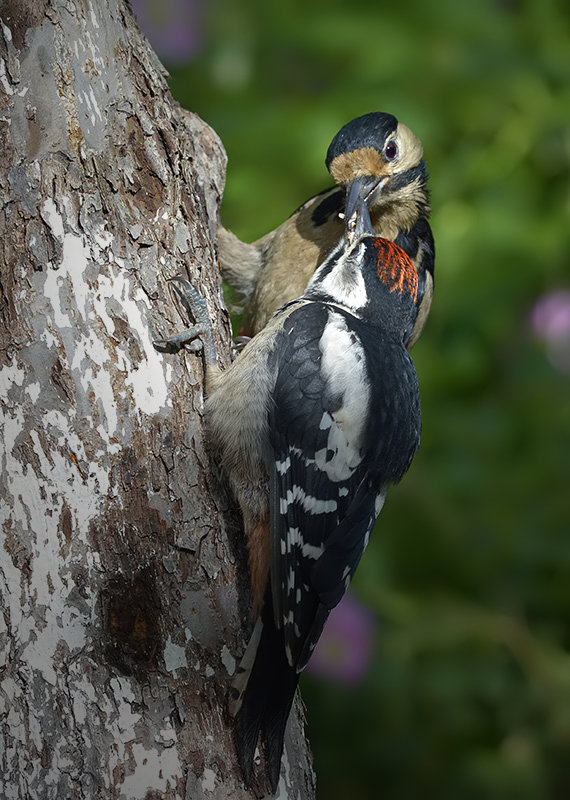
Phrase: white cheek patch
[345,284]
[343,368]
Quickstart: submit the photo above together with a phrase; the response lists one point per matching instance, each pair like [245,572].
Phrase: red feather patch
[395,268]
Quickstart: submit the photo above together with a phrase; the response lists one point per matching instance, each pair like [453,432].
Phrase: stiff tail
[262,695]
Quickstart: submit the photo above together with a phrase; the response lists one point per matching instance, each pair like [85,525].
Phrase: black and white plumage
[375,151]
[313,421]
[344,424]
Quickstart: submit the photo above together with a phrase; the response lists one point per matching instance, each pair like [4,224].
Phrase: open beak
[359,195]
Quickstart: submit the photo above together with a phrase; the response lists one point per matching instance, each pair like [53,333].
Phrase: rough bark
[124,600]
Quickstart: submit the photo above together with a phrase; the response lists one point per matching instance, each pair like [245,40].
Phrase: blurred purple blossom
[551,323]
[344,651]
[171,26]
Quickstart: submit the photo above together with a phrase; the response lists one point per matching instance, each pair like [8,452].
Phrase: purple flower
[344,651]
[551,323]
[171,26]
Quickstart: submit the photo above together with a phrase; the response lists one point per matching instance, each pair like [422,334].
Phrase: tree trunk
[124,589]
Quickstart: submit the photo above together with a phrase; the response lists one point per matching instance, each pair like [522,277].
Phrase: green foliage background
[469,568]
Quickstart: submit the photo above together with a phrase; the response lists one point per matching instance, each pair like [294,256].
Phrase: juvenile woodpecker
[376,152]
[312,422]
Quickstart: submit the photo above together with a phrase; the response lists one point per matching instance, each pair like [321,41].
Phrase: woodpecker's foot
[198,337]
[240,342]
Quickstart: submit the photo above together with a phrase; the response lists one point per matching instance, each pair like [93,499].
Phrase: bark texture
[124,601]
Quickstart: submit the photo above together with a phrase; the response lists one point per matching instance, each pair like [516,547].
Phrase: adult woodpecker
[375,152]
[312,422]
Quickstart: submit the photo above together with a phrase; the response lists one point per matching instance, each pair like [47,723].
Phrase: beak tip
[357,218]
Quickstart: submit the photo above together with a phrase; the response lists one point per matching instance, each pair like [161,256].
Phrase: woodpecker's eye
[391,151]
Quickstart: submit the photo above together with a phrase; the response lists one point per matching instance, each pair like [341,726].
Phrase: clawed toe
[195,305]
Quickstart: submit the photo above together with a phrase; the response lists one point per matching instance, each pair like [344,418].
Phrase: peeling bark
[124,599]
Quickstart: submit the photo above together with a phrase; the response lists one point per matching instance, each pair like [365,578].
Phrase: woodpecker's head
[381,157]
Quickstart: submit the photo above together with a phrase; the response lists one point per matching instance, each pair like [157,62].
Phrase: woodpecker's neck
[374,279]
[339,279]
[403,201]
[395,268]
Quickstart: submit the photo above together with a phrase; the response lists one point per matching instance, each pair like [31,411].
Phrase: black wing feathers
[297,484]
[320,526]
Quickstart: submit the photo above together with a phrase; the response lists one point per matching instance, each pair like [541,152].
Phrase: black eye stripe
[419,171]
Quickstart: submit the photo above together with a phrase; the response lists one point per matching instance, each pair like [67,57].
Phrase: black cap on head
[370,130]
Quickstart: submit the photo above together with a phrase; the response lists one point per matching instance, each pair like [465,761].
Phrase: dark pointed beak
[359,194]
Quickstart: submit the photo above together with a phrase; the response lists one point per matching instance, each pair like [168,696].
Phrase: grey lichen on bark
[123,586]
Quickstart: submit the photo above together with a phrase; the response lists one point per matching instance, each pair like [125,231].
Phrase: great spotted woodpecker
[312,422]
[376,151]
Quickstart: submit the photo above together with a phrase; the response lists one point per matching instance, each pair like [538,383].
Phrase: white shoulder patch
[343,368]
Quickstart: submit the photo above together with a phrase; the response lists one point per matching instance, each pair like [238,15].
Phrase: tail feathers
[262,695]
[274,725]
